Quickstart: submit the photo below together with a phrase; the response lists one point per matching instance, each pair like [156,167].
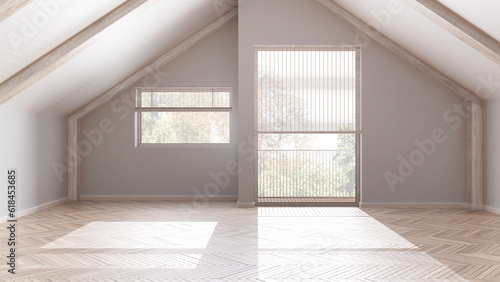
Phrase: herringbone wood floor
[165,241]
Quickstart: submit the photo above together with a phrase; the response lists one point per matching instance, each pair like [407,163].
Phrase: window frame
[139,110]
[357,132]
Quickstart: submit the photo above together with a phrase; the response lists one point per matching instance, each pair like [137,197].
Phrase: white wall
[492,154]
[116,167]
[32,143]
[399,105]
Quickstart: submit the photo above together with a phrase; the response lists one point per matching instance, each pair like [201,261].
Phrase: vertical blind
[308,89]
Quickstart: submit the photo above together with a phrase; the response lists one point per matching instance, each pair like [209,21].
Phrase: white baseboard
[36,209]
[492,210]
[221,198]
[245,205]
[415,205]
[477,207]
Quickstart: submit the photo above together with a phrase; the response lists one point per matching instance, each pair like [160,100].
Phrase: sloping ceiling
[433,44]
[31,32]
[481,13]
[119,52]
[37,28]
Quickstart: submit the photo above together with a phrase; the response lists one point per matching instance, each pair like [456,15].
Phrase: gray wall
[399,105]
[492,154]
[32,144]
[116,167]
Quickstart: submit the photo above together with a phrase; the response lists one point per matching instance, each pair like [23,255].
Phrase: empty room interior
[250,140]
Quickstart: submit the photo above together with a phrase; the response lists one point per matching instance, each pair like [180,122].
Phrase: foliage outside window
[308,120]
[183,116]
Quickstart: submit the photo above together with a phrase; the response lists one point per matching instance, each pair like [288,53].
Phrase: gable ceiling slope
[67,50]
[116,54]
[458,26]
[154,66]
[374,34]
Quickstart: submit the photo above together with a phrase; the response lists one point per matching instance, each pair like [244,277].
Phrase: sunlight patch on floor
[138,235]
[339,241]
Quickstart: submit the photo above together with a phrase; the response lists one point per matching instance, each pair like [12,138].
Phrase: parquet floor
[168,241]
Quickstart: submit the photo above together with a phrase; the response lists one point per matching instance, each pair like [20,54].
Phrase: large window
[178,116]
[308,123]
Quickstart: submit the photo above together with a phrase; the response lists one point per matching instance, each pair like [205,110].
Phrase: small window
[183,116]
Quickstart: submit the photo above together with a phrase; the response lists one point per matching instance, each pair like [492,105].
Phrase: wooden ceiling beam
[458,26]
[9,7]
[66,50]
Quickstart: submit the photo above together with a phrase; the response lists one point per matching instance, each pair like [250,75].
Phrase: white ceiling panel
[118,54]
[42,25]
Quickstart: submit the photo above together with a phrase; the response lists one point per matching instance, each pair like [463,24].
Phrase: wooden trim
[358,168]
[311,204]
[358,89]
[73,159]
[36,209]
[458,26]
[255,136]
[492,210]
[173,198]
[161,61]
[245,205]
[414,205]
[183,89]
[474,155]
[193,109]
[9,7]
[307,132]
[42,207]
[400,51]
[307,48]
[65,51]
